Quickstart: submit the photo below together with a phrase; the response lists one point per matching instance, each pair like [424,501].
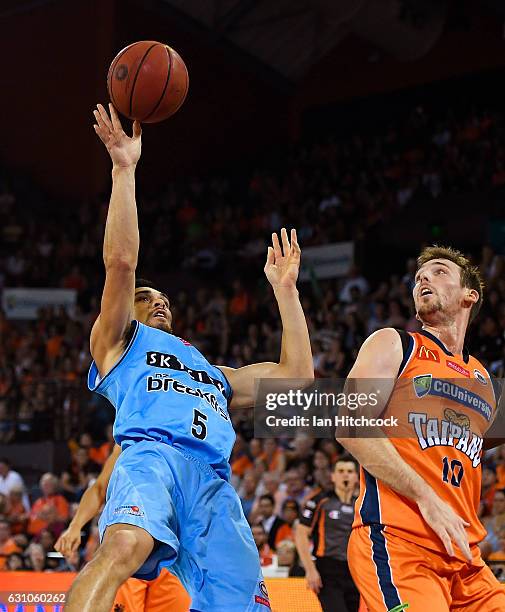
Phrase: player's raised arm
[380,357]
[121,240]
[281,269]
[89,507]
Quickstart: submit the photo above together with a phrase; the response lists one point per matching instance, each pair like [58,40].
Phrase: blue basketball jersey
[164,389]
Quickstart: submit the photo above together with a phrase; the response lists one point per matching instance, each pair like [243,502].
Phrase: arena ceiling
[289,36]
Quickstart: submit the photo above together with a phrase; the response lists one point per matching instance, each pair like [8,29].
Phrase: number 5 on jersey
[199,429]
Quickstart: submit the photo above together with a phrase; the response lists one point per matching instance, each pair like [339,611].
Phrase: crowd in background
[331,191]
[337,189]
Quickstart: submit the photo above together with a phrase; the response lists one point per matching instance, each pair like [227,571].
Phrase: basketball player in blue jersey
[169,503]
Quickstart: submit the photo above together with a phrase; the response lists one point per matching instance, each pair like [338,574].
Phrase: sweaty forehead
[436,262]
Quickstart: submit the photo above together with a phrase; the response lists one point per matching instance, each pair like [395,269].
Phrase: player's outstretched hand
[283,262]
[68,541]
[314,581]
[123,150]
[445,523]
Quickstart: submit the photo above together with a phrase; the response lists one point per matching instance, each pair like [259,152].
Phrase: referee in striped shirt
[327,520]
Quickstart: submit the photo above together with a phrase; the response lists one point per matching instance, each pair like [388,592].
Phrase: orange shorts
[164,593]
[394,574]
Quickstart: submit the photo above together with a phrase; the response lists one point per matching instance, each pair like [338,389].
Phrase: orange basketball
[147,81]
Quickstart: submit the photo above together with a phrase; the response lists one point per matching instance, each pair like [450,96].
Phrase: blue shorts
[197,522]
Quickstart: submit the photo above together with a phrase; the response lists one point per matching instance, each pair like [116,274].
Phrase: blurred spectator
[488,489]
[269,483]
[7,543]
[247,492]
[293,488]
[500,466]
[36,558]
[301,449]
[240,461]
[47,540]
[9,479]
[290,513]
[49,511]
[101,453]
[15,562]
[275,528]
[21,540]
[499,555]
[322,480]
[76,478]
[496,559]
[355,280]
[493,524]
[16,511]
[287,556]
[260,539]
[255,448]
[4,505]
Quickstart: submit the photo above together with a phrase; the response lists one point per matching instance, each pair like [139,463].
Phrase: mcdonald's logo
[428,354]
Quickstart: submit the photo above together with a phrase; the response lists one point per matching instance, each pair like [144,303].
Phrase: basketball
[147,81]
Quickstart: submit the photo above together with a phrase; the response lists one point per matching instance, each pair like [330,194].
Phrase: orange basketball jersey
[444,404]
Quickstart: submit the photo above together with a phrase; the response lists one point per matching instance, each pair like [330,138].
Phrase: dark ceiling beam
[234,15]
[282,16]
[24,7]
[186,23]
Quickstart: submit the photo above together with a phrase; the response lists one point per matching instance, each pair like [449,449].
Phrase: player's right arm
[121,240]
[89,507]
[380,357]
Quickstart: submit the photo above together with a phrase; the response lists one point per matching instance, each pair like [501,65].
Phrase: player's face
[153,308]
[438,293]
[345,475]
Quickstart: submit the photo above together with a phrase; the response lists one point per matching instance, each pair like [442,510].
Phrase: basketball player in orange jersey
[164,593]
[415,532]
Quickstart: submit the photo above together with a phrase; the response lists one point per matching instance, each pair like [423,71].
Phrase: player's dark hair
[470,276]
[5,460]
[269,497]
[144,282]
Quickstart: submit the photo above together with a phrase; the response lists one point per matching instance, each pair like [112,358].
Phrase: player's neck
[452,335]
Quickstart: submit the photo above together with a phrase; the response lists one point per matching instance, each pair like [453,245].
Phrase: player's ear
[418,318]
[472,295]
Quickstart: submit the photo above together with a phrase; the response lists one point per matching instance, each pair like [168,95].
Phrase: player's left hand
[283,262]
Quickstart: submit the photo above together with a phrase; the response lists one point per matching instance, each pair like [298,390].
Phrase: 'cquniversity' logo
[425,384]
